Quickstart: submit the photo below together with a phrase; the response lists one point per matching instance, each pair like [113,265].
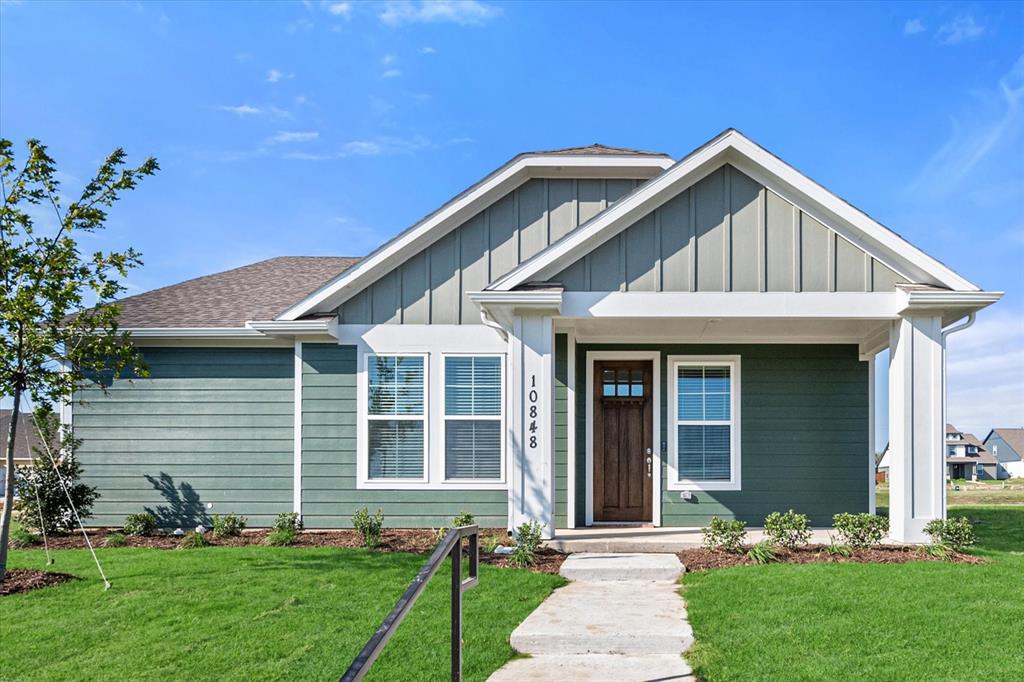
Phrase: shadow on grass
[997,529]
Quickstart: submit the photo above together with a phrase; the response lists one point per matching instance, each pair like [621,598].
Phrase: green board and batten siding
[804,433]
[210,426]
[329,493]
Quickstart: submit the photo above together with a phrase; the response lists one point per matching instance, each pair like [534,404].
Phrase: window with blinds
[473,430]
[705,424]
[395,413]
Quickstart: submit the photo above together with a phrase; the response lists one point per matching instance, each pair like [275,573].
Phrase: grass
[252,613]
[984,493]
[863,621]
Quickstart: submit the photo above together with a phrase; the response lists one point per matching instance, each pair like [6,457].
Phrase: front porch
[640,540]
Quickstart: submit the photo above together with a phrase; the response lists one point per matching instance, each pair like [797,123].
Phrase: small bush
[939,551]
[861,530]
[463,519]
[115,540]
[288,521]
[369,526]
[725,534]
[762,553]
[21,538]
[790,530]
[488,543]
[439,533]
[835,549]
[229,525]
[528,539]
[956,533]
[281,537]
[142,523]
[194,540]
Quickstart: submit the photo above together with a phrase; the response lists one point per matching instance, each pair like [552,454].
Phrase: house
[25,443]
[882,468]
[1007,447]
[584,336]
[967,458]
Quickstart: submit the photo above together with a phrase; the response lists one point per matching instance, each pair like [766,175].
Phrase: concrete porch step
[616,567]
[596,668]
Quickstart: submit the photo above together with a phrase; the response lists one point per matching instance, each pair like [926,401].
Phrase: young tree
[58,325]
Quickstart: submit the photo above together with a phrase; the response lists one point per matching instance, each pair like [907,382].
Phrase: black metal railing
[451,546]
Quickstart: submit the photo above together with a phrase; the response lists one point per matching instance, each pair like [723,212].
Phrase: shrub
[762,553]
[281,537]
[115,540]
[956,533]
[788,530]
[288,521]
[39,477]
[463,519]
[21,538]
[369,526]
[228,526]
[194,540]
[439,533]
[528,539]
[861,530]
[142,523]
[939,551]
[488,543]
[725,534]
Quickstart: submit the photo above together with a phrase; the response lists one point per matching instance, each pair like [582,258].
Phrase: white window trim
[365,418]
[674,481]
[443,450]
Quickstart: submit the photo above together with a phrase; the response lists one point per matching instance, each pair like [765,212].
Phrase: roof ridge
[598,148]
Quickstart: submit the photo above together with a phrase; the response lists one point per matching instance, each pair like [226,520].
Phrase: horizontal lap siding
[804,434]
[210,426]
[329,493]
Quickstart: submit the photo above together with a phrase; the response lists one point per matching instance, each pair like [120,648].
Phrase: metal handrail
[450,545]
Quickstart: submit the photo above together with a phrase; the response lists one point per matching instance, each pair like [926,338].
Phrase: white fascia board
[941,300]
[732,147]
[294,327]
[536,300]
[193,332]
[462,208]
[719,305]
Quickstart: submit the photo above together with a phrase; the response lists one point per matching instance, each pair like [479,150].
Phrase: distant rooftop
[599,149]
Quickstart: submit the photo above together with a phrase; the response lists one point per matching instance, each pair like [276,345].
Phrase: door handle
[649,466]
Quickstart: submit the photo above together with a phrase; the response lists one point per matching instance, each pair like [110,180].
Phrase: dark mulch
[548,560]
[702,559]
[25,580]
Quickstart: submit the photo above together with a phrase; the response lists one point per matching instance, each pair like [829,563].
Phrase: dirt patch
[702,559]
[20,580]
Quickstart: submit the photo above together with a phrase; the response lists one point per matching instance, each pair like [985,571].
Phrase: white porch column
[916,429]
[532,491]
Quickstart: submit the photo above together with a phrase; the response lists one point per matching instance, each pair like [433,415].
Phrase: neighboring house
[967,458]
[882,468]
[25,441]
[1007,447]
[584,336]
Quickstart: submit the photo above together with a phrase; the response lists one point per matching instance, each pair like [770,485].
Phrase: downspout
[945,334]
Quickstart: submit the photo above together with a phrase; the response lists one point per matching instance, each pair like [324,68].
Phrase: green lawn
[984,493]
[862,621]
[251,613]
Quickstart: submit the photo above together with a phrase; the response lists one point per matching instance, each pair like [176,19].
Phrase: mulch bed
[24,580]
[703,559]
[412,540]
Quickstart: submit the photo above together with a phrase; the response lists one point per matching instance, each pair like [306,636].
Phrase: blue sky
[327,127]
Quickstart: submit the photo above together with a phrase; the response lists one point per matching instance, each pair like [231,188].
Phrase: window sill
[378,484]
[705,486]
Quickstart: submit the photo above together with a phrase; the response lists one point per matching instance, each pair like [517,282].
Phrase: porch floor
[652,540]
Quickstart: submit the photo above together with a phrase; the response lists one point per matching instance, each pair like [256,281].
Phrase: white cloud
[388,59]
[309,156]
[970,144]
[913,27]
[391,73]
[276,76]
[462,12]
[961,29]
[286,136]
[385,146]
[243,57]
[299,25]
[338,9]
[241,109]
[428,50]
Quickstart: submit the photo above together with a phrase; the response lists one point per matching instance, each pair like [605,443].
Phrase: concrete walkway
[631,539]
[620,618]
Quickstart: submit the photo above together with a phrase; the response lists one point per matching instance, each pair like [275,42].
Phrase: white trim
[465,206]
[193,332]
[570,397]
[735,422]
[501,419]
[295,327]
[732,147]
[363,415]
[871,435]
[655,357]
[297,434]
[720,304]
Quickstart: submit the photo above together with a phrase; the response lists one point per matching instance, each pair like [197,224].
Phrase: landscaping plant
[115,540]
[528,539]
[860,530]
[725,534]
[194,540]
[142,523]
[228,526]
[956,533]
[21,538]
[835,549]
[369,526]
[762,553]
[285,531]
[790,530]
[463,519]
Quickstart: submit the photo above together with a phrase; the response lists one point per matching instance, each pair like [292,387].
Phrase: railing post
[456,555]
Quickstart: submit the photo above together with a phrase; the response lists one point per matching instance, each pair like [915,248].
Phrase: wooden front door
[623,440]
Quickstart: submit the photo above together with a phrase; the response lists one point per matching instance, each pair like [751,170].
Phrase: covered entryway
[623,440]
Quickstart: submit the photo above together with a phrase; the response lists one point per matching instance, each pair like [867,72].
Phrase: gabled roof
[734,148]
[231,298]
[1012,437]
[600,149]
[26,439]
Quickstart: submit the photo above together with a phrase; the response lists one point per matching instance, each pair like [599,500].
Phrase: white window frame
[735,422]
[445,418]
[363,460]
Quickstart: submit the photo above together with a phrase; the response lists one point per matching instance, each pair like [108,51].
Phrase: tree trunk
[5,520]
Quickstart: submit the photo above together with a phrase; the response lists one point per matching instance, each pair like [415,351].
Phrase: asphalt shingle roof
[599,149]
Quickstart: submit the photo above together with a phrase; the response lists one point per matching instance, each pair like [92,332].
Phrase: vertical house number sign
[532,411]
